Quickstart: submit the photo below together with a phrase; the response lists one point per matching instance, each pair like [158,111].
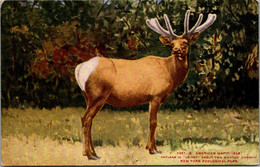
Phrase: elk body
[127,83]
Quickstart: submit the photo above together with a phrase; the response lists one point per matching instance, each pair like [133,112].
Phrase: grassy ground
[53,137]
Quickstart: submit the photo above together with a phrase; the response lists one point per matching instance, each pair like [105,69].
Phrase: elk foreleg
[153,109]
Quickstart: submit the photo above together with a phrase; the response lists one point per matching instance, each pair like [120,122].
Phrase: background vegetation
[43,41]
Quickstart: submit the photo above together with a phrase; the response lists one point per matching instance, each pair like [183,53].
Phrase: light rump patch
[84,70]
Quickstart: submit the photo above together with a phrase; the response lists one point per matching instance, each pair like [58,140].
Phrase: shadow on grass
[176,143]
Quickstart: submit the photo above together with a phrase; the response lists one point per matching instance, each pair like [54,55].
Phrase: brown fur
[127,83]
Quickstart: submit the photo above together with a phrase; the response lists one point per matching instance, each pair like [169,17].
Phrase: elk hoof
[94,158]
[155,152]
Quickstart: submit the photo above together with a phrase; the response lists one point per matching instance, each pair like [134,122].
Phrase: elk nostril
[176,50]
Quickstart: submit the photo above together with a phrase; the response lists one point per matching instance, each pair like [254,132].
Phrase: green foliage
[43,41]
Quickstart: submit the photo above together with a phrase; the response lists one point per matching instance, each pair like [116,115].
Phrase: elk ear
[165,40]
[194,37]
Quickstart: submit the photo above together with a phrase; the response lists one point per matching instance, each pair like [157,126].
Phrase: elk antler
[155,25]
[196,28]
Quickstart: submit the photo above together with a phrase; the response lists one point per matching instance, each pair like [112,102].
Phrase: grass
[53,137]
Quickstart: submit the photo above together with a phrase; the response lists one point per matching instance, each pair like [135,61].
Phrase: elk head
[180,43]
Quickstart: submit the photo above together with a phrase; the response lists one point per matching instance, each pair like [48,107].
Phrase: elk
[127,83]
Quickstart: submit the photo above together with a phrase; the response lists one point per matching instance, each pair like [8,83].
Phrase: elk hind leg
[92,109]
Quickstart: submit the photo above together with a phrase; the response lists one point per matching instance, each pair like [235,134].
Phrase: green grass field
[53,137]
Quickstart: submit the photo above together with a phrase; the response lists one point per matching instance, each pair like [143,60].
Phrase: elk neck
[178,69]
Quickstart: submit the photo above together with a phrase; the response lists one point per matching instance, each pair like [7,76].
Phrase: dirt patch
[36,151]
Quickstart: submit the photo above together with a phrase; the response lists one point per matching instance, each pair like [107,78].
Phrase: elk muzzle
[177,52]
